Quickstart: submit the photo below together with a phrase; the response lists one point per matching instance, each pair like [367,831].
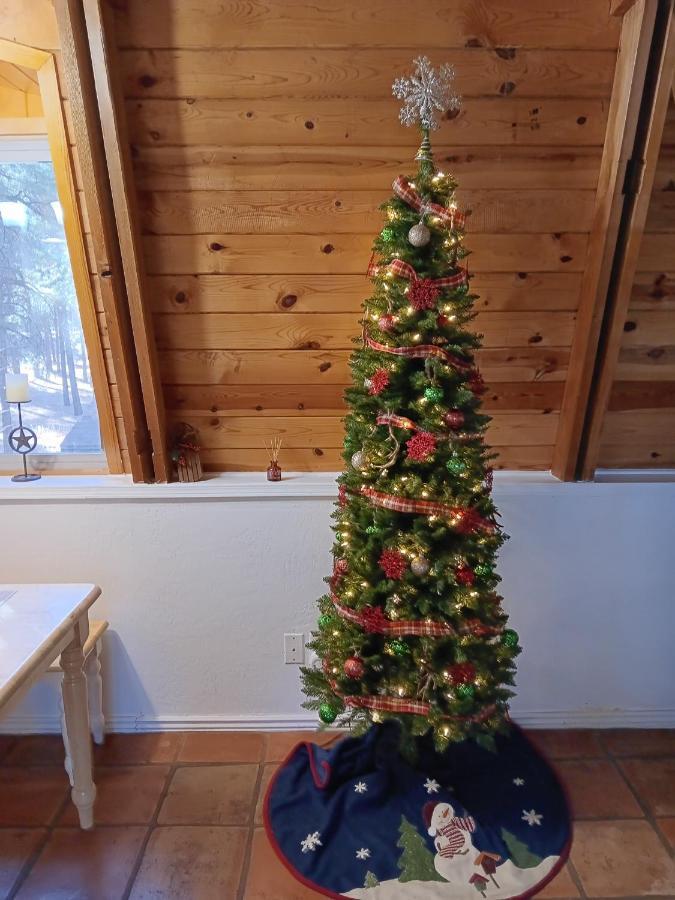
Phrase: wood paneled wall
[639,427]
[265,136]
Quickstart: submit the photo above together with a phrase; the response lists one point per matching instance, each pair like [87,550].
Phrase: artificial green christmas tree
[412,627]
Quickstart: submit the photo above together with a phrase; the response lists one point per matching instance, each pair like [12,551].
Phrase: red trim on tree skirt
[422,351]
[468,520]
[449,216]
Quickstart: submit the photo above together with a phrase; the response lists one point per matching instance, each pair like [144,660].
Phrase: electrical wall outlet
[294,649]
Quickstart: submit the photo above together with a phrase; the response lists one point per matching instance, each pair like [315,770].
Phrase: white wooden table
[37,623]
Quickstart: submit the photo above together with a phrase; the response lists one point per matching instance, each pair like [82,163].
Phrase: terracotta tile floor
[179,818]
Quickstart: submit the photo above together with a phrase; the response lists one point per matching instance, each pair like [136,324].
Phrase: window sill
[225,486]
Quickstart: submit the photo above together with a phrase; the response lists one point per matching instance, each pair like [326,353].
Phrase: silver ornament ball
[420,565]
[419,235]
[359,460]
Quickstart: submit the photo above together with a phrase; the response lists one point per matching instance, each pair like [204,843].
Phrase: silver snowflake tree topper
[425,93]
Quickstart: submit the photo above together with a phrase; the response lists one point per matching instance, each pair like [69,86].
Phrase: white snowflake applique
[519,782]
[360,787]
[531,817]
[311,842]
[425,93]
[363,853]
[432,786]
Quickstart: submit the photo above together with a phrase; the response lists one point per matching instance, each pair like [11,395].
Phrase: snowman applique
[455,852]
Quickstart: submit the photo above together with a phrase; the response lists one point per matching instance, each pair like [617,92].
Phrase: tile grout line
[49,827]
[646,811]
[248,849]
[135,868]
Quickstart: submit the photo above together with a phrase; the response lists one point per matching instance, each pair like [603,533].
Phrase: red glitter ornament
[340,568]
[378,381]
[476,384]
[462,673]
[464,575]
[374,620]
[454,418]
[354,667]
[386,323]
[423,293]
[421,445]
[442,321]
[342,496]
[393,563]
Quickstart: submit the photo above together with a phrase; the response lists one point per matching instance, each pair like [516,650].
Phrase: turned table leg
[74,690]
[92,668]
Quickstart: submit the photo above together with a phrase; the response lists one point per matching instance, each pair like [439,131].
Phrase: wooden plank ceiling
[639,427]
[264,137]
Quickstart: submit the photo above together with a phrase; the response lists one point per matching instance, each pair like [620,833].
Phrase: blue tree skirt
[357,820]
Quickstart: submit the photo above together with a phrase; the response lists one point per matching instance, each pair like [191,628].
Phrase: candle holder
[23,440]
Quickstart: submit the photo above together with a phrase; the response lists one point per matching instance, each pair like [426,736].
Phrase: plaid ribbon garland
[396,421]
[403,705]
[459,516]
[450,216]
[405,270]
[418,628]
[414,707]
[423,351]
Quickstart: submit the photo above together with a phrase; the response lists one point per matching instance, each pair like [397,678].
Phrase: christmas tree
[412,627]
[370,880]
[417,861]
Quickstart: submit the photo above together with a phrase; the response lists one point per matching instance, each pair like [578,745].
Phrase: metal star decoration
[425,93]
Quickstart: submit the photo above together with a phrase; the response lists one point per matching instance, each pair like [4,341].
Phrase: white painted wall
[199,592]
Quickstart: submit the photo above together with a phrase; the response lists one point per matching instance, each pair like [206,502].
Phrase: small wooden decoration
[185,454]
[274,469]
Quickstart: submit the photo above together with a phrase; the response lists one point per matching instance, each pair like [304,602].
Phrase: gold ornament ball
[359,460]
[420,565]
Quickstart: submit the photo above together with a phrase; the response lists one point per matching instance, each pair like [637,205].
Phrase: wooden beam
[109,275]
[625,276]
[636,36]
[620,7]
[113,124]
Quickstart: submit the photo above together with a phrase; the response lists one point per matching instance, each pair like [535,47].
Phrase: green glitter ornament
[398,648]
[465,691]
[372,529]
[325,620]
[327,713]
[455,465]
[338,536]
[510,637]
[483,570]
[433,394]
[387,234]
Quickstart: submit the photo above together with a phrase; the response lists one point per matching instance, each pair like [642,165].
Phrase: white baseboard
[577,718]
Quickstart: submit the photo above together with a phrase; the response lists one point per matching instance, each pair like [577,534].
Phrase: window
[40,328]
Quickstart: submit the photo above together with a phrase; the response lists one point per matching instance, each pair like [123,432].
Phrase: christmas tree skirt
[358,820]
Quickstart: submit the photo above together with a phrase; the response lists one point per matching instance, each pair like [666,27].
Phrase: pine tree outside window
[40,328]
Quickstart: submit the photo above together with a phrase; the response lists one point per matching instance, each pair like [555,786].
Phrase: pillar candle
[16,387]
